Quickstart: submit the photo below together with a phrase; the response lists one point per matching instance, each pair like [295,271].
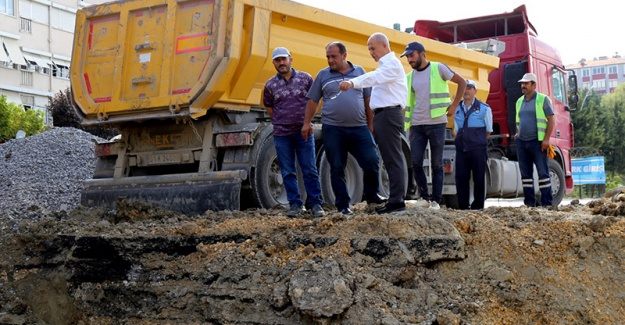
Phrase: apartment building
[35,48]
[601,74]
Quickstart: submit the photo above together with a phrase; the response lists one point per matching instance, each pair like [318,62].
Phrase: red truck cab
[514,40]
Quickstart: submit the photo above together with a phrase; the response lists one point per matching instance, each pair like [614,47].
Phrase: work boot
[317,211]
[295,211]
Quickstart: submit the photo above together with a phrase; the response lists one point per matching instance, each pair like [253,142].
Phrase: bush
[14,117]
[613,181]
[64,114]
[62,110]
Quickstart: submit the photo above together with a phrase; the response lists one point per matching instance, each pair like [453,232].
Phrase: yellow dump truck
[182,81]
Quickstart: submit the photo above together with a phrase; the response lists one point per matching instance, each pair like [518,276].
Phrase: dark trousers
[530,154]
[287,148]
[358,141]
[471,163]
[389,128]
[420,135]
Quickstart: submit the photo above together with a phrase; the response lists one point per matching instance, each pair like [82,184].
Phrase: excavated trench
[141,265]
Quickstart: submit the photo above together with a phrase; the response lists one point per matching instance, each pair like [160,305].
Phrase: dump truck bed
[147,59]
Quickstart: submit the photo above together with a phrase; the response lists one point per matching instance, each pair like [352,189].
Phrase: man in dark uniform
[473,124]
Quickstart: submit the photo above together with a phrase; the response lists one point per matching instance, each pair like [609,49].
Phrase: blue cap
[411,47]
[280,52]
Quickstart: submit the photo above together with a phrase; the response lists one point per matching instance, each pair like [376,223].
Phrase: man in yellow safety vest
[535,122]
[428,105]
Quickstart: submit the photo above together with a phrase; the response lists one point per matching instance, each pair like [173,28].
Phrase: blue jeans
[530,154]
[419,136]
[338,141]
[287,148]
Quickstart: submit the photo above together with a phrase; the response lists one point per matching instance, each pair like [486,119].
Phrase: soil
[143,265]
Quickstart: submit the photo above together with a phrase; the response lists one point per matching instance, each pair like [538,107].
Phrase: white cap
[528,77]
[471,83]
[280,52]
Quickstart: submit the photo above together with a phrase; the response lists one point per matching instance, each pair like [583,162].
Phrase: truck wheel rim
[555,182]
[276,183]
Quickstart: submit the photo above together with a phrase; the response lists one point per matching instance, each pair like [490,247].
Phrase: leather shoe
[391,207]
[346,211]
[377,200]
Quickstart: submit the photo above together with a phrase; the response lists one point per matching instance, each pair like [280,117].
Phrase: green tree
[614,108]
[14,117]
[62,110]
[589,121]
[65,114]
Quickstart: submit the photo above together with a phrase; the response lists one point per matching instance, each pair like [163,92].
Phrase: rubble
[43,173]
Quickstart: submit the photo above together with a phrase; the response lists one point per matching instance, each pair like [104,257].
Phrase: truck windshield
[558,86]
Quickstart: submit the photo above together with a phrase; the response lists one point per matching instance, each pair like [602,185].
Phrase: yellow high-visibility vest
[541,119]
[439,95]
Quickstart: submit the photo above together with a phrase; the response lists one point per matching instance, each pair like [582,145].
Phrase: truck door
[513,72]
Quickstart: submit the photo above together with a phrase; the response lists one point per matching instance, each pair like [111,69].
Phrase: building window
[60,71]
[598,70]
[585,73]
[26,25]
[27,78]
[586,85]
[613,83]
[28,101]
[34,11]
[598,84]
[62,19]
[612,69]
[6,7]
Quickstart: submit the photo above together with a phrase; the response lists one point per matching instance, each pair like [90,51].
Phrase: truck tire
[353,179]
[557,181]
[267,185]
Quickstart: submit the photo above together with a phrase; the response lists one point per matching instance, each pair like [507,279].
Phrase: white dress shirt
[388,83]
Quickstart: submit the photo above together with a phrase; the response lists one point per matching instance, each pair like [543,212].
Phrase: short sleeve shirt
[421,87]
[288,100]
[340,108]
[528,130]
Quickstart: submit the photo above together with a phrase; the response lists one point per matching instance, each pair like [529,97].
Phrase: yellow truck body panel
[183,58]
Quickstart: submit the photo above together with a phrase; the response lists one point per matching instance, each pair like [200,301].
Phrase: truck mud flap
[186,193]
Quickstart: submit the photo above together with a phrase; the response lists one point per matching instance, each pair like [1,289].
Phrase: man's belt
[380,109]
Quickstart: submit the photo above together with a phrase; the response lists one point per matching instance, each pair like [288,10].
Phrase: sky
[587,29]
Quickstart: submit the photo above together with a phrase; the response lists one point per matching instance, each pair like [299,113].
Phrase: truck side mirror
[573,95]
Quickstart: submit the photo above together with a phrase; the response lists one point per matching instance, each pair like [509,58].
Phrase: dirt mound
[147,266]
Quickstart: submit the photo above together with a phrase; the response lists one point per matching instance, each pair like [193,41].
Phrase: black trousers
[389,128]
[471,163]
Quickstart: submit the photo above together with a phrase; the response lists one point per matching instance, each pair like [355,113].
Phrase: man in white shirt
[388,98]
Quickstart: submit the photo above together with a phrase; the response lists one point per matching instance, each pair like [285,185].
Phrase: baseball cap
[471,83]
[411,47]
[528,77]
[280,52]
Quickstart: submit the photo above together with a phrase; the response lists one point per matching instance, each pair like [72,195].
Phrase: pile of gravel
[44,172]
